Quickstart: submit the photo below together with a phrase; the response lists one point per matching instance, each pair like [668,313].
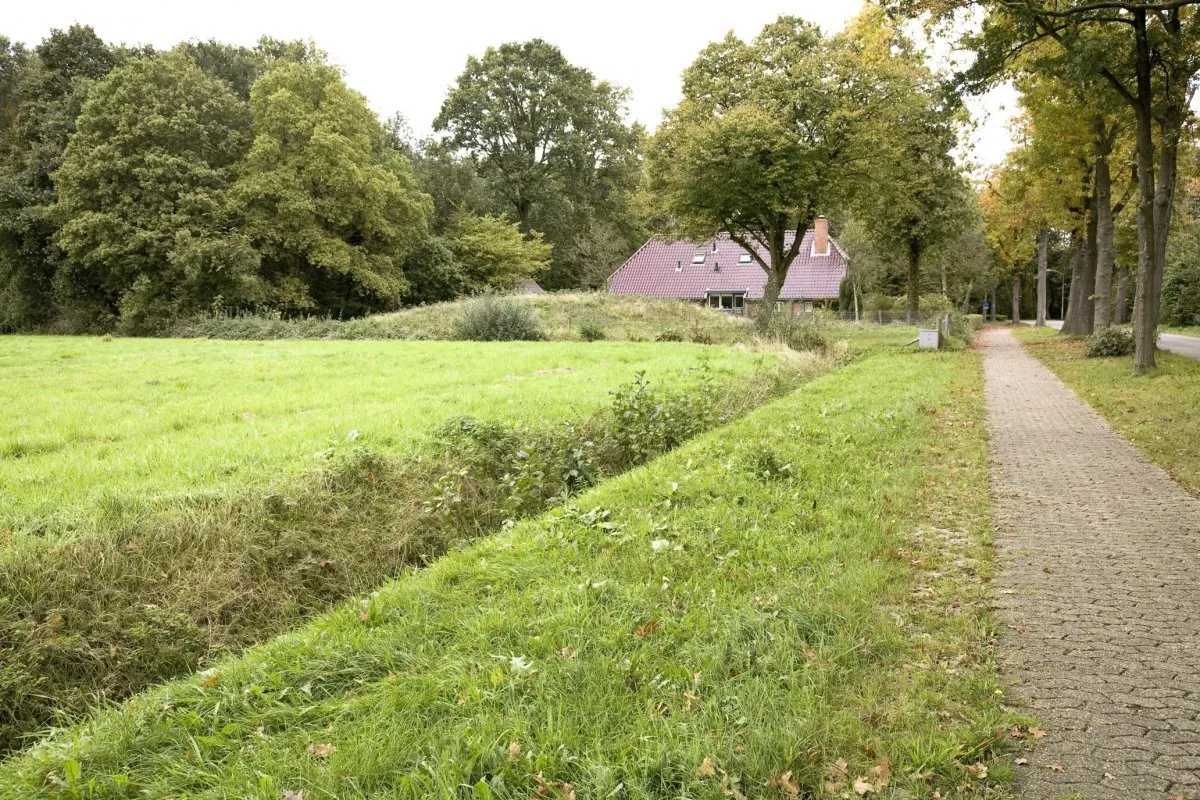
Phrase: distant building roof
[529,287]
[666,269]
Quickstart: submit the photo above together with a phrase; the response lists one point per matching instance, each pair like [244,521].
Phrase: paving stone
[1098,592]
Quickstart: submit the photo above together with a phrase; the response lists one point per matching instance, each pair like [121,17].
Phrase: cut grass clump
[685,630]
[106,611]
[1158,412]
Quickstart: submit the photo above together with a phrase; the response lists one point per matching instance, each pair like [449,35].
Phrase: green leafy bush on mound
[591,331]
[799,334]
[494,318]
[1109,342]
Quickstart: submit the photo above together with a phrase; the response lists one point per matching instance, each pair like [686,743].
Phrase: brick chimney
[820,236]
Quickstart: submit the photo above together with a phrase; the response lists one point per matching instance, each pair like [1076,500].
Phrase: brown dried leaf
[1056,768]
[786,783]
[322,750]
[647,628]
[863,786]
[1020,762]
[293,794]
[566,651]
[730,791]
[514,751]
[840,769]
[706,769]
[210,681]
[1037,733]
[882,772]
[978,770]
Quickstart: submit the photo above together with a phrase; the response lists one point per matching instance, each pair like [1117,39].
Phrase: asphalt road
[1186,346]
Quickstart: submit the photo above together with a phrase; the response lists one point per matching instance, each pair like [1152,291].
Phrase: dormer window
[679,266]
[698,258]
[744,258]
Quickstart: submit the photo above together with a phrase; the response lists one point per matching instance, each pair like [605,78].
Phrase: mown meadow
[792,604]
[104,428]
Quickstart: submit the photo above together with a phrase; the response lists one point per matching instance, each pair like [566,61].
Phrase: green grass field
[1159,412]
[791,605]
[97,427]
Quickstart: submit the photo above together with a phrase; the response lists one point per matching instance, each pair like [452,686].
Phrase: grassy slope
[831,610]
[98,427]
[1160,413]
[621,317]
[1186,330]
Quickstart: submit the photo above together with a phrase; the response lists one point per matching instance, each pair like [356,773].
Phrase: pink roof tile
[652,271]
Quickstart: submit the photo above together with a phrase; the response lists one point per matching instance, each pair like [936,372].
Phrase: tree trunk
[1072,322]
[914,280]
[774,284]
[1043,261]
[1016,298]
[1122,296]
[1106,249]
[1145,322]
[992,306]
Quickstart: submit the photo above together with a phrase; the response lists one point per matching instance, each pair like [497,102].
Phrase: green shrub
[493,318]
[668,336]
[1109,342]
[591,331]
[798,334]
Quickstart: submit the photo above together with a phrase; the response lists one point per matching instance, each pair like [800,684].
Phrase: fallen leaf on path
[1056,768]
[1020,762]
[1037,733]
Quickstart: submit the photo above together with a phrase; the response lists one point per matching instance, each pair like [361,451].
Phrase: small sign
[986,306]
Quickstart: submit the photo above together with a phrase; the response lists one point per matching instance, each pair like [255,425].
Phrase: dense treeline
[137,186]
[1106,92]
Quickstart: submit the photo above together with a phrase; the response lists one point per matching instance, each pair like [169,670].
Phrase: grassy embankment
[1186,330]
[560,316]
[1159,412]
[790,605]
[163,504]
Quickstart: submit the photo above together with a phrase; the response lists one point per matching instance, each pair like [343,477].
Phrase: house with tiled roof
[721,274]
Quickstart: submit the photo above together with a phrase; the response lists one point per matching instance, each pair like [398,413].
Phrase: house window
[729,302]
[744,258]
[698,258]
[808,306]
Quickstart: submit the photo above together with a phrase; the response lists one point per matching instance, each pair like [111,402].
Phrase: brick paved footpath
[1098,589]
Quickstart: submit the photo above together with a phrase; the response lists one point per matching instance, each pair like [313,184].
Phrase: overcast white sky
[404,55]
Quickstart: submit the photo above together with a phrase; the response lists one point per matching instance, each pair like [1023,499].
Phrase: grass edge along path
[790,605]
[1159,412]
